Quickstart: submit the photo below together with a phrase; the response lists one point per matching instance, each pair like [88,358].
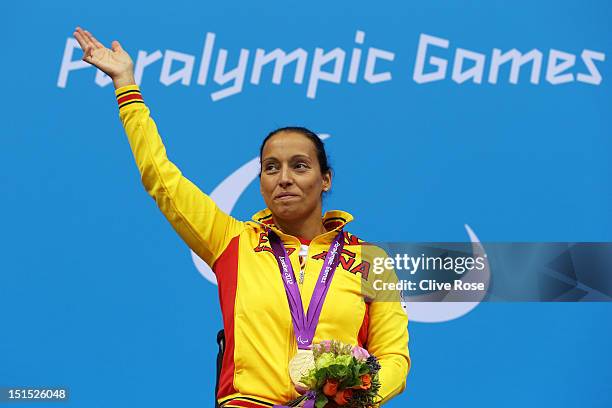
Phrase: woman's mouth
[286,196]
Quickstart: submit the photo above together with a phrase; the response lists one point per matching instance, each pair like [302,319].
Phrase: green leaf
[338,371]
[320,401]
[364,369]
[324,360]
[344,360]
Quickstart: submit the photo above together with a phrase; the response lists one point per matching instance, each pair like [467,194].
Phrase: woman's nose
[285,177]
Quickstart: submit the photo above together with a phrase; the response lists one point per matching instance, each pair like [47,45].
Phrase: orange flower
[331,387]
[343,396]
[366,381]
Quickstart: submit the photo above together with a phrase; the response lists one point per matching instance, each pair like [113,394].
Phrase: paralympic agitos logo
[435,60]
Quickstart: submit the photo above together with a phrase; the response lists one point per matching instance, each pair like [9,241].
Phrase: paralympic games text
[431,64]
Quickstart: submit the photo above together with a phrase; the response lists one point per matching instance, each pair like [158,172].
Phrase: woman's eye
[301,166]
[270,167]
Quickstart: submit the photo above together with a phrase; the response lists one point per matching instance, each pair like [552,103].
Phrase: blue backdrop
[98,294]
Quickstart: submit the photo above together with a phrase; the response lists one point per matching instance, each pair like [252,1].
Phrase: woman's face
[291,182]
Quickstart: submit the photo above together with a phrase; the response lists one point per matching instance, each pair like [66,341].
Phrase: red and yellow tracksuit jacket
[256,318]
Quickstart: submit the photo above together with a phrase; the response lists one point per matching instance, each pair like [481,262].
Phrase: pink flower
[326,344]
[360,353]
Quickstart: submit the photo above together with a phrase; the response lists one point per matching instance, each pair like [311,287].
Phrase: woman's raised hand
[115,62]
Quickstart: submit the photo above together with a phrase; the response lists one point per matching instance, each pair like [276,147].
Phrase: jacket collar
[333,221]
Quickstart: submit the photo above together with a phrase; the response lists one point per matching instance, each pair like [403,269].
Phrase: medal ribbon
[305,326]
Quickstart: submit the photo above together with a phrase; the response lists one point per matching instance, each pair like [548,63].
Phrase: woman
[261,337]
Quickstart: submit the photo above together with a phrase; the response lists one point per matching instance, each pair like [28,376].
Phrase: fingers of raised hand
[87,42]
[83,41]
[80,37]
[96,43]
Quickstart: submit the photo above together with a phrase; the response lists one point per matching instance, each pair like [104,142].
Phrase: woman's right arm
[197,219]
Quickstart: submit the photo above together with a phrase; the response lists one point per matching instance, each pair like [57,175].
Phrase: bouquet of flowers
[343,375]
